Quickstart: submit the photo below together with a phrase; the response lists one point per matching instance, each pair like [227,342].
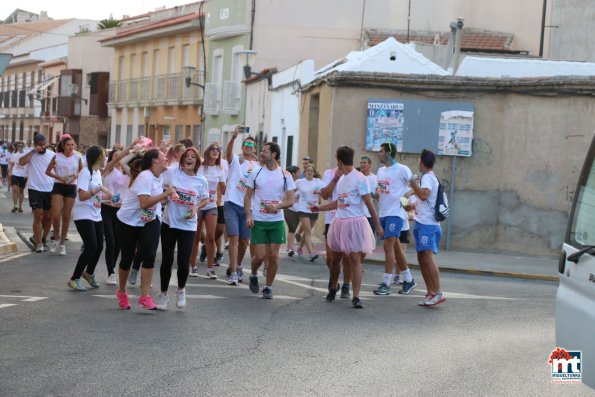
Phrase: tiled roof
[145,27]
[472,39]
[14,33]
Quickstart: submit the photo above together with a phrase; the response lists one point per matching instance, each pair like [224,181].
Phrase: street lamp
[188,73]
[247,58]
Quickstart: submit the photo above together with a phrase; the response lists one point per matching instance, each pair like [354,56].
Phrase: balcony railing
[157,89]
[212,102]
[232,97]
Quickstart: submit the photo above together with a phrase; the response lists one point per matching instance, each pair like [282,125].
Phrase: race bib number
[212,196]
[242,185]
[97,201]
[383,187]
[148,215]
[343,200]
[185,197]
[266,207]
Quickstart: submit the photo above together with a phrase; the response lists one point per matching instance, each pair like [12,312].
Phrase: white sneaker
[111,279]
[54,245]
[162,302]
[193,272]
[62,250]
[40,248]
[181,299]
[240,274]
[211,274]
[233,279]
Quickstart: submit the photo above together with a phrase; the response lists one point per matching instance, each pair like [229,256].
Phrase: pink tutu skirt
[351,235]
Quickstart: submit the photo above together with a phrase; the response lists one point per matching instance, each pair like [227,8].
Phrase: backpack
[441,207]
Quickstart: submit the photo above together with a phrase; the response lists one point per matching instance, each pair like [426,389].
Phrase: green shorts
[268,233]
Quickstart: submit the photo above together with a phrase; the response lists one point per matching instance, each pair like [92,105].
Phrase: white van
[575,300]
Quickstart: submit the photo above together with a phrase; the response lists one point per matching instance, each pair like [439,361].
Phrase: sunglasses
[249,144]
[215,149]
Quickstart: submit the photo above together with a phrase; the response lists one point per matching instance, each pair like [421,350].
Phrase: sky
[85,9]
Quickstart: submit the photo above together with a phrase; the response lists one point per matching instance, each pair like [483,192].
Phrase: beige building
[147,94]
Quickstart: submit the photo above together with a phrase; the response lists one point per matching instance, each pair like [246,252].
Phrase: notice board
[412,125]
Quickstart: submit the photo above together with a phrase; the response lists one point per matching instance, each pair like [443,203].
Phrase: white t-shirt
[327,178]
[36,168]
[237,179]
[350,189]
[270,189]
[424,210]
[393,183]
[191,190]
[145,184]
[213,175]
[67,167]
[305,189]
[89,209]
[117,182]
[373,182]
[4,156]
[18,170]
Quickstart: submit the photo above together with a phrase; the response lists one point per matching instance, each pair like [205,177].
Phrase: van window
[582,230]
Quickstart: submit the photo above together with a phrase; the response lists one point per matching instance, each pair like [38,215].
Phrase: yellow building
[148,95]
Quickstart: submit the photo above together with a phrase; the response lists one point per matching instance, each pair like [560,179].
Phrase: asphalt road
[492,336]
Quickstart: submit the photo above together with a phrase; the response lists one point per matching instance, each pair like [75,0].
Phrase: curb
[493,273]
[6,246]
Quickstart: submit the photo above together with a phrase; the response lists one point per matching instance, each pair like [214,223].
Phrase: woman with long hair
[214,173]
[308,189]
[179,222]
[117,182]
[64,168]
[87,218]
[139,222]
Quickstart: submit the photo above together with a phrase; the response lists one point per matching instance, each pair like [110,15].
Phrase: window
[132,71]
[289,154]
[144,64]
[155,62]
[121,68]
[196,135]
[128,135]
[179,129]
[118,134]
[141,130]
[186,55]
[171,60]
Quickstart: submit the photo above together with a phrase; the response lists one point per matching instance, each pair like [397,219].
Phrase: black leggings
[169,238]
[112,248]
[138,258]
[147,237]
[92,234]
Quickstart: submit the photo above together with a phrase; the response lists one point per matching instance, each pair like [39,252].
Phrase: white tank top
[67,167]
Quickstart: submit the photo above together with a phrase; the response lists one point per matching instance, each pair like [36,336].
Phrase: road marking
[187,296]
[4,305]
[26,298]
[15,256]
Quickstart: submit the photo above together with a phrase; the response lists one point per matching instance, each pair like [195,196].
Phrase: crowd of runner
[127,202]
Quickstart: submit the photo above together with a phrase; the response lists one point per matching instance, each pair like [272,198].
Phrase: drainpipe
[541,39]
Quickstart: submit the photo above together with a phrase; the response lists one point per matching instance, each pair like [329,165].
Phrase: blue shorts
[235,221]
[427,237]
[392,226]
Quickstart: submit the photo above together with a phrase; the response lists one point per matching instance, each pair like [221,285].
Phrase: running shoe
[233,279]
[193,272]
[147,302]
[181,299]
[54,245]
[218,258]
[240,272]
[332,294]
[111,279]
[345,292]
[357,303]
[15,209]
[312,258]
[62,250]
[397,280]
[267,293]
[254,284]
[423,302]
[203,254]
[435,299]
[211,274]
[291,253]
[90,278]
[382,289]
[300,252]
[162,301]
[39,248]
[76,285]
[123,300]
[408,287]
[20,210]
[133,276]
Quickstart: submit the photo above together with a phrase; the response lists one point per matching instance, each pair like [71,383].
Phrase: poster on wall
[455,136]
[385,123]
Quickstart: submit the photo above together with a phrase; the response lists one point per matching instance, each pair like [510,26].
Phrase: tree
[108,23]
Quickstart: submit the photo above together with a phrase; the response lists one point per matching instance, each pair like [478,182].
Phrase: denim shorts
[235,221]
[427,237]
[392,226]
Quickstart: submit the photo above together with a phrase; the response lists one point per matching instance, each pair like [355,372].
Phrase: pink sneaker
[123,300]
[147,302]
